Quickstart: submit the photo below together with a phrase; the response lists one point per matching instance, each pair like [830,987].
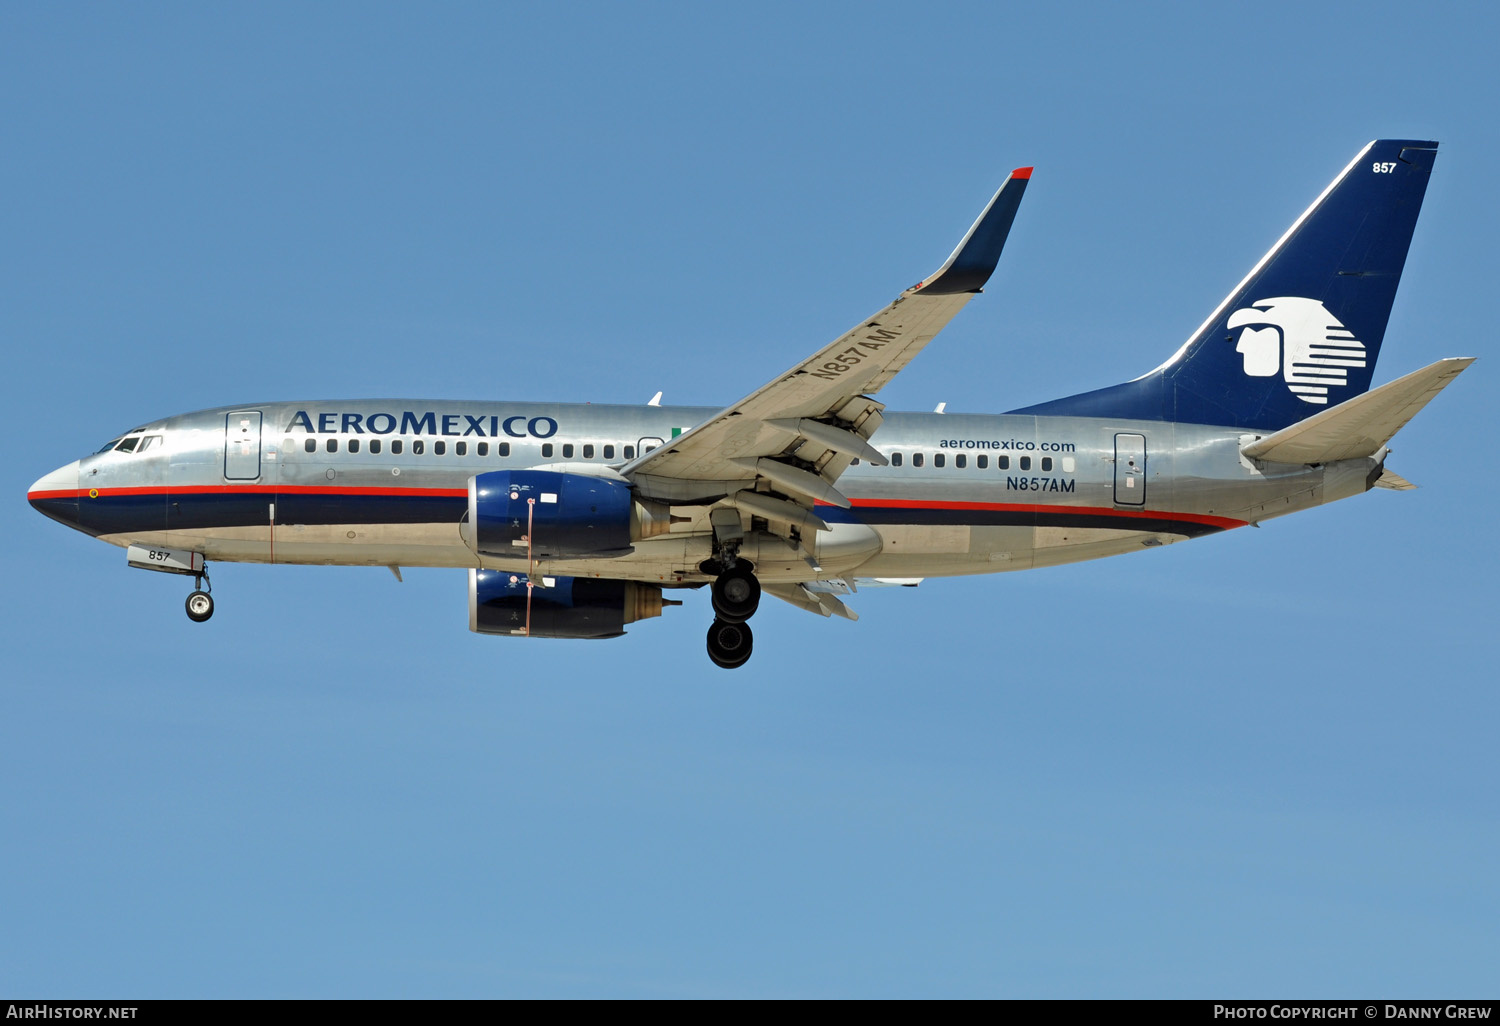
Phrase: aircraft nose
[56,494]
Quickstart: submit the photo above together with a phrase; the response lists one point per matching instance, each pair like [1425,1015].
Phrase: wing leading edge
[797,433]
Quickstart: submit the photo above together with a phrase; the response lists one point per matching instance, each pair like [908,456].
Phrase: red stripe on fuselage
[82,493]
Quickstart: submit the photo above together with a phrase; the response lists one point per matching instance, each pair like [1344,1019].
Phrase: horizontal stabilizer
[1361,426]
[1391,479]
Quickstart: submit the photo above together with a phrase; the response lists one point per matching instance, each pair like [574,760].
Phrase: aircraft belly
[1056,546]
[677,557]
[434,545]
[914,539]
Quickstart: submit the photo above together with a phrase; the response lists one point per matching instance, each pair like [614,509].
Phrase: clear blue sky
[1261,764]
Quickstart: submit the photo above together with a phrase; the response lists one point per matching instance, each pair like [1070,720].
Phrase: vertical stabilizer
[1302,331]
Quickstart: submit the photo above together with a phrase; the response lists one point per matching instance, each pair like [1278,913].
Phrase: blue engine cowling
[571,516]
[561,607]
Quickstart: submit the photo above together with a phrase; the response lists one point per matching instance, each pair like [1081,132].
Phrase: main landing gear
[200,604]
[736,596]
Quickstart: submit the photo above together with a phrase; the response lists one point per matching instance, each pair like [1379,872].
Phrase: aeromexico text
[454,425]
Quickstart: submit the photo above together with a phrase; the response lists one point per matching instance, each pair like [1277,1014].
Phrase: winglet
[975,259]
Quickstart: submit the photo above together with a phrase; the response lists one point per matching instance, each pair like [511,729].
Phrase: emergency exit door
[1130,469]
[242,446]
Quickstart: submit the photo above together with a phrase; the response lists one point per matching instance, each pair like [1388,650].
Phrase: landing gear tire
[200,606]
[729,644]
[736,595]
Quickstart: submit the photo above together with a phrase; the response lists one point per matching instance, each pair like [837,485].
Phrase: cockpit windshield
[133,442]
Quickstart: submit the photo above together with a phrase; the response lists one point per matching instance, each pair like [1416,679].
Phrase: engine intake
[561,607]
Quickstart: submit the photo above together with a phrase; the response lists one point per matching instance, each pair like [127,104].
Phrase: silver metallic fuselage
[244,488]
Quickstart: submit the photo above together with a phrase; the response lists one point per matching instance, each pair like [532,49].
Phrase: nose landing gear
[200,604]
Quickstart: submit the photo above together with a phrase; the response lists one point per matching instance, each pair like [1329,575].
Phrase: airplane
[574,521]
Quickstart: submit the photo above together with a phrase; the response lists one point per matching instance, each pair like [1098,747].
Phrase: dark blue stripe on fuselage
[1051,517]
[125,514]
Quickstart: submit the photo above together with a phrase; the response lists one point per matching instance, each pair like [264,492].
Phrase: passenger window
[481,448]
[1068,465]
[588,452]
[917,459]
[460,448]
[375,445]
[960,461]
[546,450]
[895,459]
[1003,462]
[1046,462]
[439,448]
[609,452]
[332,445]
[981,462]
[503,449]
[311,445]
[939,460]
[567,450]
[396,446]
[354,445]
[1025,462]
[418,447]
[630,452]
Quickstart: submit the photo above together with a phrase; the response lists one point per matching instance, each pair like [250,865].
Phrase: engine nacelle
[567,516]
[561,607]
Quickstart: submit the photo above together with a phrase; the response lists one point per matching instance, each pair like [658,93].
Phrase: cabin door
[242,446]
[1130,469]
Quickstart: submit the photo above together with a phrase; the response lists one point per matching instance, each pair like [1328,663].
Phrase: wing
[799,431]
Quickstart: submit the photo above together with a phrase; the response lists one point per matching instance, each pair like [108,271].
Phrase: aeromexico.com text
[1011,444]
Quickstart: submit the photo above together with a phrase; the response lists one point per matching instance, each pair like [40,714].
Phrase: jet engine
[558,607]
[557,515]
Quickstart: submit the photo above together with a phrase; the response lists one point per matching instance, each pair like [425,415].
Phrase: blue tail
[1301,333]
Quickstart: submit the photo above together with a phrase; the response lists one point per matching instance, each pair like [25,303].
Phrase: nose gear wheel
[200,604]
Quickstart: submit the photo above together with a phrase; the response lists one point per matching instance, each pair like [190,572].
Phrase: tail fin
[1303,330]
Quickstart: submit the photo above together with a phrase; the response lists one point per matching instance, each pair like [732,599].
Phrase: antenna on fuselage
[655,400]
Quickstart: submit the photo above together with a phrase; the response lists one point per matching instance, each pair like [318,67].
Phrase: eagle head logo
[1302,341]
